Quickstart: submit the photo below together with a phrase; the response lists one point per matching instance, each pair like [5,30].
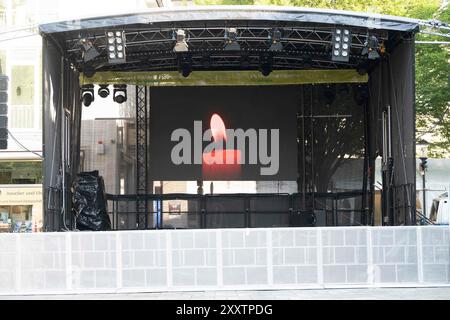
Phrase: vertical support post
[119,281]
[169,258]
[419,254]
[219,254]
[141,156]
[68,258]
[319,257]
[269,257]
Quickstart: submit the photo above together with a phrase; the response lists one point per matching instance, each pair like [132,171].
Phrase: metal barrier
[224,259]
[238,210]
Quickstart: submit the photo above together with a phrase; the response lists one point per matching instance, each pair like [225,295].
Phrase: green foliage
[432,61]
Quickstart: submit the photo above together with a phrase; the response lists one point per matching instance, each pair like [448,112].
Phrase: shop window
[16,218]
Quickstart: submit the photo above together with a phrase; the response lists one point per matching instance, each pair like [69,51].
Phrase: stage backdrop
[264,120]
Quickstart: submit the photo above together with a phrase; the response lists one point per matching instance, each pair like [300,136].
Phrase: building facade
[21,62]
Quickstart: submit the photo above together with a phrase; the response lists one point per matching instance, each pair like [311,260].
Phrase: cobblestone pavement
[442,293]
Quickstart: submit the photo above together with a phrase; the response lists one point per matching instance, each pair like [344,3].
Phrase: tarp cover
[216,13]
[89,202]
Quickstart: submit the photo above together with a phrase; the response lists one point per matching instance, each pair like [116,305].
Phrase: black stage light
[186,70]
[120,93]
[276,41]
[87,94]
[231,40]
[88,71]
[181,44]
[103,91]
[371,48]
[116,47]
[184,65]
[265,65]
[342,41]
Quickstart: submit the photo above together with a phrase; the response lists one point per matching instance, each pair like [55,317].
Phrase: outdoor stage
[326,91]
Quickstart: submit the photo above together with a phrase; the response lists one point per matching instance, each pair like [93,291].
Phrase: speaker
[3,112]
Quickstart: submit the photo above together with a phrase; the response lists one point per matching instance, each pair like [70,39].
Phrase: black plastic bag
[89,202]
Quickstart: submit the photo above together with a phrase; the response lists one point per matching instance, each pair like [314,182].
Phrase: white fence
[163,260]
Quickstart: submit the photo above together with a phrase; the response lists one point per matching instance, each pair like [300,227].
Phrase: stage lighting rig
[116,47]
[181,44]
[231,40]
[276,41]
[371,48]
[120,93]
[342,41]
[87,94]
[103,91]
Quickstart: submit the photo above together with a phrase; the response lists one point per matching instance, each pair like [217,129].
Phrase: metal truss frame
[142,114]
[152,49]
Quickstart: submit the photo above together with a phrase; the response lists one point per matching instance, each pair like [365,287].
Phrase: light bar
[115,47]
[342,41]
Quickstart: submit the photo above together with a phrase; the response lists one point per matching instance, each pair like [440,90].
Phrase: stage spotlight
[103,91]
[231,36]
[186,70]
[276,41]
[266,65]
[87,94]
[371,48]
[342,42]
[88,71]
[116,47]
[181,45]
[88,50]
[120,93]
[184,65]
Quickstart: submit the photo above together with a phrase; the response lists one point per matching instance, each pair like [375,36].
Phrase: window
[22,12]
[23,172]
[3,13]
[2,62]
[22,97]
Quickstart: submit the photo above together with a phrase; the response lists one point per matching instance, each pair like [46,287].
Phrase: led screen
[223,133]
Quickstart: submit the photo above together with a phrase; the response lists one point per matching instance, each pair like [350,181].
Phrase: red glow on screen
[229,168]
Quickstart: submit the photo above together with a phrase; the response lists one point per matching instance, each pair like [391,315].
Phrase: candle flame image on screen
[218,130]
[229,166]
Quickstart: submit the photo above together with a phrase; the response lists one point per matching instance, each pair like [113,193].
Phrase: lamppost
[422,147]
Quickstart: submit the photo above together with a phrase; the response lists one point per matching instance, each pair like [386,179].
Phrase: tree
[432,61]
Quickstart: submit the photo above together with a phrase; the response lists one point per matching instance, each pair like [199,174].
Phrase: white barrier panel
[230,259]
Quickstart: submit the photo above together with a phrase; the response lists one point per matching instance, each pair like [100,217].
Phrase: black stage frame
[307,45]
